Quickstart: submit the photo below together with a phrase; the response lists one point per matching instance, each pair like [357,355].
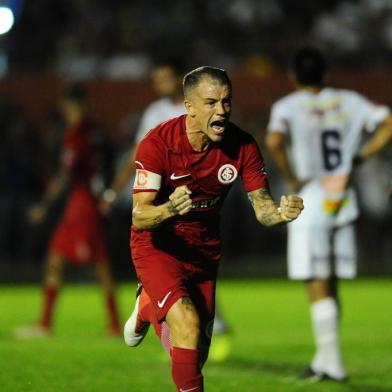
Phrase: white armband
[146,180]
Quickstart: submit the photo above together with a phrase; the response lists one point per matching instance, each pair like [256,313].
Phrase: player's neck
[197,138]
[310,89]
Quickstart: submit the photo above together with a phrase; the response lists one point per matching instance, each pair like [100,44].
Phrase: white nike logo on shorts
[188,390]
[174,177]
[162,303]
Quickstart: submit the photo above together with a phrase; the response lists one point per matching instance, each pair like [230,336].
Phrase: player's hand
[180,202]
[37,214]
[290,207]
[106,202]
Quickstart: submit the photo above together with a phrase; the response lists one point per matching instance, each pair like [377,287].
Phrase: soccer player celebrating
[79,236]
[167,82]
[324,126]
[185,168]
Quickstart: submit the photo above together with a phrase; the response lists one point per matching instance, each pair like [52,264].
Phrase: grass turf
[271,339]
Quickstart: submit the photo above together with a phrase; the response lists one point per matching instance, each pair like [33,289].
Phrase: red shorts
[165,280]
[79,234]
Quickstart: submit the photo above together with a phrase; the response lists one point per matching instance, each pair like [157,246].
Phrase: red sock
[113,313]
[50,295]
[185,369]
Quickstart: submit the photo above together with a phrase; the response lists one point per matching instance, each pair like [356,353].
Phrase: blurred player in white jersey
[167,82]
[314,136]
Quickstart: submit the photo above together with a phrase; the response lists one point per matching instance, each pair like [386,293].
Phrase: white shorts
[319,244]
[318,253]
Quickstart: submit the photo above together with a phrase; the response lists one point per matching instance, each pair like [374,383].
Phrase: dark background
[111,47]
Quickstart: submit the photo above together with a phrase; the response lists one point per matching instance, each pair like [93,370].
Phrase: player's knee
[190,332]
[318,289]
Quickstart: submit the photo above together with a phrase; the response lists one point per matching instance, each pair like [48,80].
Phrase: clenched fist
[180,202]
[290,207]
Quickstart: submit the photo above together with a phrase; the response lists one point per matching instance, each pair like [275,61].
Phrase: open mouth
[218,126]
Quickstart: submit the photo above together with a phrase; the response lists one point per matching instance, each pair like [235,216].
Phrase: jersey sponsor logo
[147,180]
[161,304]
[205,203]
[174,177]
[227,174]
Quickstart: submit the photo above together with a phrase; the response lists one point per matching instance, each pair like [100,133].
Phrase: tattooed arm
[268,213]
[146,215]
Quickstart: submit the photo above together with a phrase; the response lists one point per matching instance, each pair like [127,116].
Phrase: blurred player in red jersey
[185,167]
[78,237]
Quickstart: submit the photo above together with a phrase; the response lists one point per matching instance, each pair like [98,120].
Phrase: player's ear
[189,107]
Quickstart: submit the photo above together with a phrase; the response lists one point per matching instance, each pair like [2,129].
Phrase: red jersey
[79,154]
[209,174]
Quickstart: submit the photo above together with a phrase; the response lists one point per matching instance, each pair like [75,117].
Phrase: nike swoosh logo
[188,390]
[162,303]
[174,177]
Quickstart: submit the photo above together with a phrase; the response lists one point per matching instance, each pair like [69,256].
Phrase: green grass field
[271,339]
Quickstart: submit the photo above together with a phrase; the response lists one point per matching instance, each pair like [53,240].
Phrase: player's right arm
[275,142]
[146,215]
[278,127]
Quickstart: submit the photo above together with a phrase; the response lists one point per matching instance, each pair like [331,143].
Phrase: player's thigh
[164,280]
[345,251]
[309,251]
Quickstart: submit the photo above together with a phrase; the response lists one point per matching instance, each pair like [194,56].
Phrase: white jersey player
[314,135]
[167,82]
[158,111]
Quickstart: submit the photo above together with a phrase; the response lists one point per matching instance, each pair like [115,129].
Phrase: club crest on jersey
[227,174]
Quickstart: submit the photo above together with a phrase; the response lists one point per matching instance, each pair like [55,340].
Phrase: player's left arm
[381,138]
[268,213]
[120,181]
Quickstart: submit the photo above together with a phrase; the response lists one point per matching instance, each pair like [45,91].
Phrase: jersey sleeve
[279,118]
[253,171]
[149,163]
[373,114]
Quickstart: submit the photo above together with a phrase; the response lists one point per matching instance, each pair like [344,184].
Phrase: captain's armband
[147,180]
